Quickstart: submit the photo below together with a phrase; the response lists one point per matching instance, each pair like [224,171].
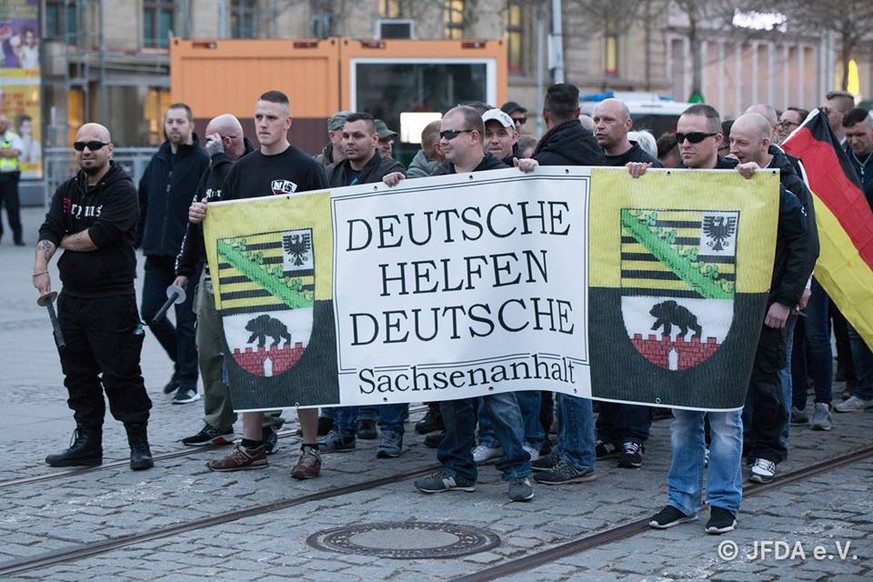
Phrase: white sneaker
[763,471]
[534,454]
[821,418]
[853,404]
[484,453]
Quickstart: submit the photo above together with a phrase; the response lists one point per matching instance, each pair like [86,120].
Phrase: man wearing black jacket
[364,163]
[93,217]
[566,143]
[165,191]
[461,139]
[750,140]
[612,122]
[225,144]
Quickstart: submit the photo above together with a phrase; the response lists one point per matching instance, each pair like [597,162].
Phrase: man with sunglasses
[165,191]
[93,217]
[517,113]
[698,133]
[790,120]
[462,133]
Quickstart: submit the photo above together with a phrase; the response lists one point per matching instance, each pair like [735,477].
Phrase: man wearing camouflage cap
[333,149]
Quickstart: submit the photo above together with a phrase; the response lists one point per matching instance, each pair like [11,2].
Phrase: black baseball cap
[511,106]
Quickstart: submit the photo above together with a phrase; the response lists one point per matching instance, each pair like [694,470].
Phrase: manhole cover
[401,540]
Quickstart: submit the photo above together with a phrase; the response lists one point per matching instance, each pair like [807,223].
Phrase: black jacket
[193,253]
[165,192]
[109,212]
[635,154]
[374,171]
[568,144]
[794,183]
[489,162]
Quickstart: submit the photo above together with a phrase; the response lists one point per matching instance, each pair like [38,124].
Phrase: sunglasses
[450,134]
[521,120]
[94,145]
[693,137]
[787,124]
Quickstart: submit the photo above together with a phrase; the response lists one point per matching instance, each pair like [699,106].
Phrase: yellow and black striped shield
[271,263]
[680,265]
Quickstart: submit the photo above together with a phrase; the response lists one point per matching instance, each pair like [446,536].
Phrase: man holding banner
[462,132]
[698,133]
[279,169]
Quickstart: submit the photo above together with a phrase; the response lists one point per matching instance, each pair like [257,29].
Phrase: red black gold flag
[844,220]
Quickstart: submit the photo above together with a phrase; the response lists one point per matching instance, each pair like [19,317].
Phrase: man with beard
[93,217]
[165,191]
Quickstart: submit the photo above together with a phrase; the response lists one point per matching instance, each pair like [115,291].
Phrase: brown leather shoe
[308,465]
[241,459]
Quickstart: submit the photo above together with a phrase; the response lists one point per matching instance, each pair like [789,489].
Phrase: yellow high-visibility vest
[7,164]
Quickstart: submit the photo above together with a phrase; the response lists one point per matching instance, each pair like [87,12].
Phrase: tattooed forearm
[45,249]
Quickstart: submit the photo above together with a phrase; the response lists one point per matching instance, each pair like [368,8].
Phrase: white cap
[500,116]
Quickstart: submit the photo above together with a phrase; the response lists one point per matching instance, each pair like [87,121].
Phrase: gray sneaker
[821,417]
[564,473]
[336,442]
[520,489]
[390,445]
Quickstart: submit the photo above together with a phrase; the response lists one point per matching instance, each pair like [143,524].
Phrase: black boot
[85,450]
[140,454]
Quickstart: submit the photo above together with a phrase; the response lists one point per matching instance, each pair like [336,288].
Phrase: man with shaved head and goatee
[93,217]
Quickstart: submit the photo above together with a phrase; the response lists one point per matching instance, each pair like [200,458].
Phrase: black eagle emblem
[297,247]
[718,230]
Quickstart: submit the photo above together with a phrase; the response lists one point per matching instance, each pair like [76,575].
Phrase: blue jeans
[724,486]
[817,331]
[390,418]
[456,449]
[620,423]
[178,341]
[575,431]
[862,357]
[529,404]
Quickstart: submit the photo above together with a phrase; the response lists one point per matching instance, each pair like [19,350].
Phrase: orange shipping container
[404,82]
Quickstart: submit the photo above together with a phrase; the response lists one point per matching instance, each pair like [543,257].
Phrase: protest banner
[577,280]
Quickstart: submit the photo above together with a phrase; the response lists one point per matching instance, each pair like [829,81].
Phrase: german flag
[844,220]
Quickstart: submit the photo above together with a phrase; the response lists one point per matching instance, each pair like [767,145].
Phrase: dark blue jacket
[165,193]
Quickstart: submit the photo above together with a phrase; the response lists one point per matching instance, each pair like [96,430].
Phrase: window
[242,18]
[155,104]
[61,20]
[453,17]
[157,23]
[389,8]
[515,36]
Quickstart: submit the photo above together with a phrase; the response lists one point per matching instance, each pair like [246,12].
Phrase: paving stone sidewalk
[831,508]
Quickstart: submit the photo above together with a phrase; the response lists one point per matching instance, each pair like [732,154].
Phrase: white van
[650,111]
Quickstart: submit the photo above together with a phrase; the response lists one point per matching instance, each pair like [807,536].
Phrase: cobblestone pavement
[833,509]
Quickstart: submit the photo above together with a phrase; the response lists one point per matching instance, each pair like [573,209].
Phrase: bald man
[612,122]
[93,217]
[225,144]
[766,411]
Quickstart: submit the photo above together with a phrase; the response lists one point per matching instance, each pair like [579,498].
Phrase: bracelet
[42,273]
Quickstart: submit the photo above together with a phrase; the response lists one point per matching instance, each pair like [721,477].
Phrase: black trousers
[768,406]
[103,352]
[9,198]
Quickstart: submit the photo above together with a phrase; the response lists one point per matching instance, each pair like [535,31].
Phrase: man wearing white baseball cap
[501,136]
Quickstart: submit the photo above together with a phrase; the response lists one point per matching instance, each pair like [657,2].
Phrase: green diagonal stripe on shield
[678,272]
[267,283]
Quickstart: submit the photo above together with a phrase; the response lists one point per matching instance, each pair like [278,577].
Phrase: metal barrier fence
[59,164]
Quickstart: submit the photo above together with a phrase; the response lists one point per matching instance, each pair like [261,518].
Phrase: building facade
[108,59]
